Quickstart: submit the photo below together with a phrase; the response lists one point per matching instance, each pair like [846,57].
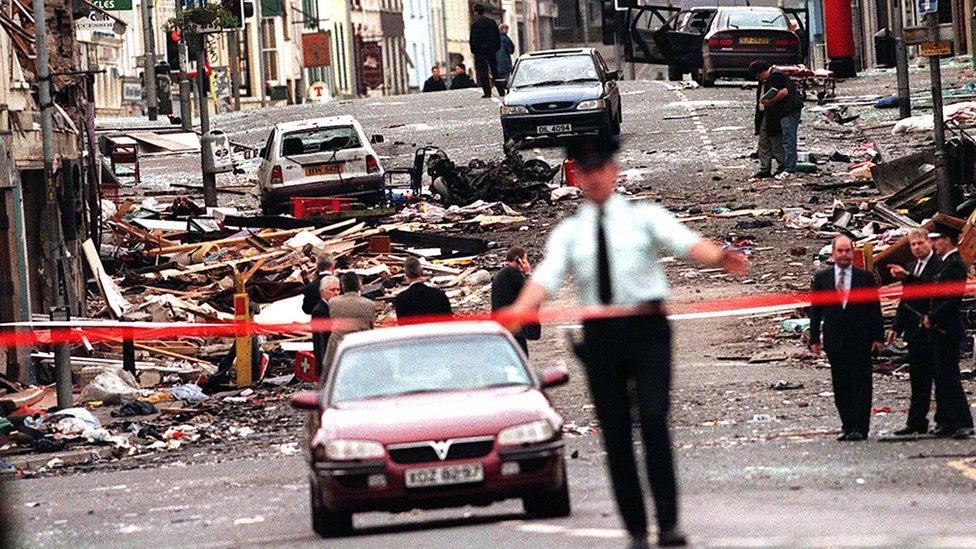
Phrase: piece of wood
[240,240]
[163,352]
[140,234]
[113,296]
[195,269]
[123,209]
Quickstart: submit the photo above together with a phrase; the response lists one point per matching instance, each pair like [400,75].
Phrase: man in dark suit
[944,322]
[328,288]
[419,299]
[851,332]
[505,288]
[908,324]
[485,40]
[324,266]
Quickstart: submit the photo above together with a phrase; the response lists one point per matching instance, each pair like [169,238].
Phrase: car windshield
[552,71]
[435,364]
[316,140]
[757,19]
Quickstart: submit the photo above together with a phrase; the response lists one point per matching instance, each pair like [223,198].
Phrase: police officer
[944,323]
[611,247]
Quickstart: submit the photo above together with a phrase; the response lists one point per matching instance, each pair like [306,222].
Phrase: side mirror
[377,138]
[613,75]
[305,400]
[554,377]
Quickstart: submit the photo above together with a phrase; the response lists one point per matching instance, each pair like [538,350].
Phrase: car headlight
[344,450]
[514,109]
[591,105]
[526,433]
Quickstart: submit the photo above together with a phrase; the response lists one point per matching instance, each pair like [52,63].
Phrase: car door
[799,19]
[264,168]
[685,42]
[610,88]
[642,24]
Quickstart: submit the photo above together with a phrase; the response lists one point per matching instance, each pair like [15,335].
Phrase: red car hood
[438,416]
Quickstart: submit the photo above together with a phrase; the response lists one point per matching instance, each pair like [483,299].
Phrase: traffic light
[173,48]
[240,9]
[610,18]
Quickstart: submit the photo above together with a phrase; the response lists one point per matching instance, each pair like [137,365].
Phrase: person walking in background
[852,331]
[944,323]
[328,288]
[435,83]
[484,42]
[611,247]
[419,299]
[782,107]
[352,306]
[504,59]
[505,288]
[461,80]
[325,265]
[908,325]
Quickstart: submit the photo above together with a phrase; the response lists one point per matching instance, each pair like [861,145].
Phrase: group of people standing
[492,49]
[851,330]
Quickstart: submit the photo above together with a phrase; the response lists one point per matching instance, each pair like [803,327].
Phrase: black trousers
[483,66]
[615,351]
[850,373]
[920,376]
[952,408]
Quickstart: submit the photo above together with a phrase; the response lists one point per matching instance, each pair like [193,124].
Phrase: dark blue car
[560,93]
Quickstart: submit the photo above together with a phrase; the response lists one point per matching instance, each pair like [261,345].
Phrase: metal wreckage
[511,179]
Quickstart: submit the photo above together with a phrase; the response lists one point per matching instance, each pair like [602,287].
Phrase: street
[757,466]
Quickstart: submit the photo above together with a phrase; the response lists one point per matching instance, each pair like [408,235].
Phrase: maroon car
[431,416]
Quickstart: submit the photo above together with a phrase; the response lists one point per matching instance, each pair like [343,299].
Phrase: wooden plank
[239,240]
[194,269]
[113,296]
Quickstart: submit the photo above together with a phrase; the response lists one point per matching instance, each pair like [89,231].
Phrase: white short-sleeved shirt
[636,235]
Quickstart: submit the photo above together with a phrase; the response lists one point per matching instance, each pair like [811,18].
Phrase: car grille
[423,452]
[552,106]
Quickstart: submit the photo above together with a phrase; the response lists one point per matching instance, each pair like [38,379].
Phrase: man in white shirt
[611,247]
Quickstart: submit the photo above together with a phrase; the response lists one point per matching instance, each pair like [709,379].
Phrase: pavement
[757,467]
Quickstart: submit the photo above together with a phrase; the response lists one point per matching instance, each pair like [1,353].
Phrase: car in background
[716,42]
[432,416]
[316,158]
[556,94]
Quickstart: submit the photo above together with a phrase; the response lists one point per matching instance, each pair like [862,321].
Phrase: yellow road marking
[964,467]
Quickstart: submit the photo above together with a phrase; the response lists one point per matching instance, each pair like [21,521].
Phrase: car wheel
[326,523]
[615,124]
[554,504]
[675,72]
[705,81]
[268,207]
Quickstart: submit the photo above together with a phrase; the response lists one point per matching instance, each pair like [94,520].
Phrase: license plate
[441,476]
[754,41]
[555,128]
[323,169]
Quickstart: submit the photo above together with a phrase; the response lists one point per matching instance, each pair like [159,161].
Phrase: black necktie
[602,261]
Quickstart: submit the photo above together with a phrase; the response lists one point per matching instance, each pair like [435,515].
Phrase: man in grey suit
[359,311]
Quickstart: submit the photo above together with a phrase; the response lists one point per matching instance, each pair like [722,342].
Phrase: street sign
[928,6]
[935,49]
[915,35]
[95,21]
[318,91]
[113,5]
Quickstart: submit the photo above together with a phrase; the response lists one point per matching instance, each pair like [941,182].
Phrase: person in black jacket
[324,266]
[944,322]
[328,288]
[419,299]
[781,113]
[461,80]
[505,288]
[435,83]
[851,332]
[908,324]
[485,40]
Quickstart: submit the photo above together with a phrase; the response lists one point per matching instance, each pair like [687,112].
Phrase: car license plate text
[441,476]
[323,169]
[555,128]
[754,40]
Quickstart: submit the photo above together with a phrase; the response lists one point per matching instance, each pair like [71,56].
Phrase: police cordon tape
[17,334]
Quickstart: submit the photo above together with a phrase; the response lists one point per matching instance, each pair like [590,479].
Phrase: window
[270,51]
